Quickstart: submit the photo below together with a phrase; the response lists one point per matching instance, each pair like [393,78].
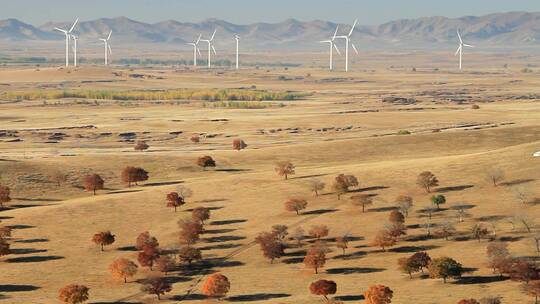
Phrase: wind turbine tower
[75,39]
[460,50]
[67,34]
[348,42]
[332,47]
[210,48]
[195,50]
[237,38]
[108,50]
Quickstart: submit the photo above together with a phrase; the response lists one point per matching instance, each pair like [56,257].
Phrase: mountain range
[501,29]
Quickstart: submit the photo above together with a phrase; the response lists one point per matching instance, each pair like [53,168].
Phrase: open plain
[384,124]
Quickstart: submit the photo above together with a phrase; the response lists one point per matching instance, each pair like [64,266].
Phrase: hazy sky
[246,11]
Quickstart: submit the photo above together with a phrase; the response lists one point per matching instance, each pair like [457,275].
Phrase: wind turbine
[196,50]
[347,43]
[107,47]
[75,39]
[460,49]
[210,47]
[332,47]
[67,33]
[237,38]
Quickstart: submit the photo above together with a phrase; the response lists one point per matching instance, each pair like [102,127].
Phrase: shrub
[475,107]
[205,162]
[323,288]
[123,269]
[295,205]
[195,138]
[239,144]
[103,239]
[141,146]
[4,195]
[93,182]
[216,286]
[73,294]
[396,217]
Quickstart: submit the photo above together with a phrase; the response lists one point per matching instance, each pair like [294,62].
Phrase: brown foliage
[123,268]
[58,177]
[206,161]
[4,247]
[148,256]
[383,239]
[479,231]
[141,146]
[73,294]
[156,286]
[216,286]
[93,182]
[323,288]
[103,239]
[378,294]
[318,231]
[165,264]
[396,217]
[396,230]
[239,144]
[189,254]
[200,214]
[5,232]
[270,245]
[427,180]
[280,231]
[315,258]
[4,195]
[284,168]
[145,239]
[134,175]
[174,200]
[189,231]
[523,270]
[362,200]
[404,203]
[295,205]
[195,138]
[342,243]
[445,230]
[532,289]
[315,186]
[342,183]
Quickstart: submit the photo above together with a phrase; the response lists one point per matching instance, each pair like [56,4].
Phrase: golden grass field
[52,226]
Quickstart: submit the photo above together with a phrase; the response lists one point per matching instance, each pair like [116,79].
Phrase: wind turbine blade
[335,33]
[214,49]
[457,52]
[109,37]
[198,39]
[354,48]
[214,34]
[60,30]
[109,47]
[459,36]
[326,41]
[74,24]
[198,51]
[337,50]
[468,45]
[352,28]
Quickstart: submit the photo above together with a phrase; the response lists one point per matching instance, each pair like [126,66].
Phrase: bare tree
[362,200]
[445,230]
[58,177]
[315,186]
[284,168]
[427,180]
[495,176]
[4,195]
[295,205]
[404,203]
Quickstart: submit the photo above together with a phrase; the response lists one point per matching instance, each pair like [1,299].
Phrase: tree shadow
[190,297]
[25,199]
[373,188]
[232,170]
[418,238]
[19,227]
[351,256]
[220,263]
[462,206]
[298,253]
[517,182]
[123,191]
[168,183]
[220,246]
[308,176]
[491,218]
[27,250]
[116,302]
[353,270]
[127,248]
[34,259]
[349,298]
[17,288]
[5,217]
[32,241]
[227,222]
[257,297]
[453,188]
[224,238]
[209,208]
[510,238]
[383,209]
[319,212]
[218,231]
[293,260]
[479,280]
[215,200]
[404,249]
